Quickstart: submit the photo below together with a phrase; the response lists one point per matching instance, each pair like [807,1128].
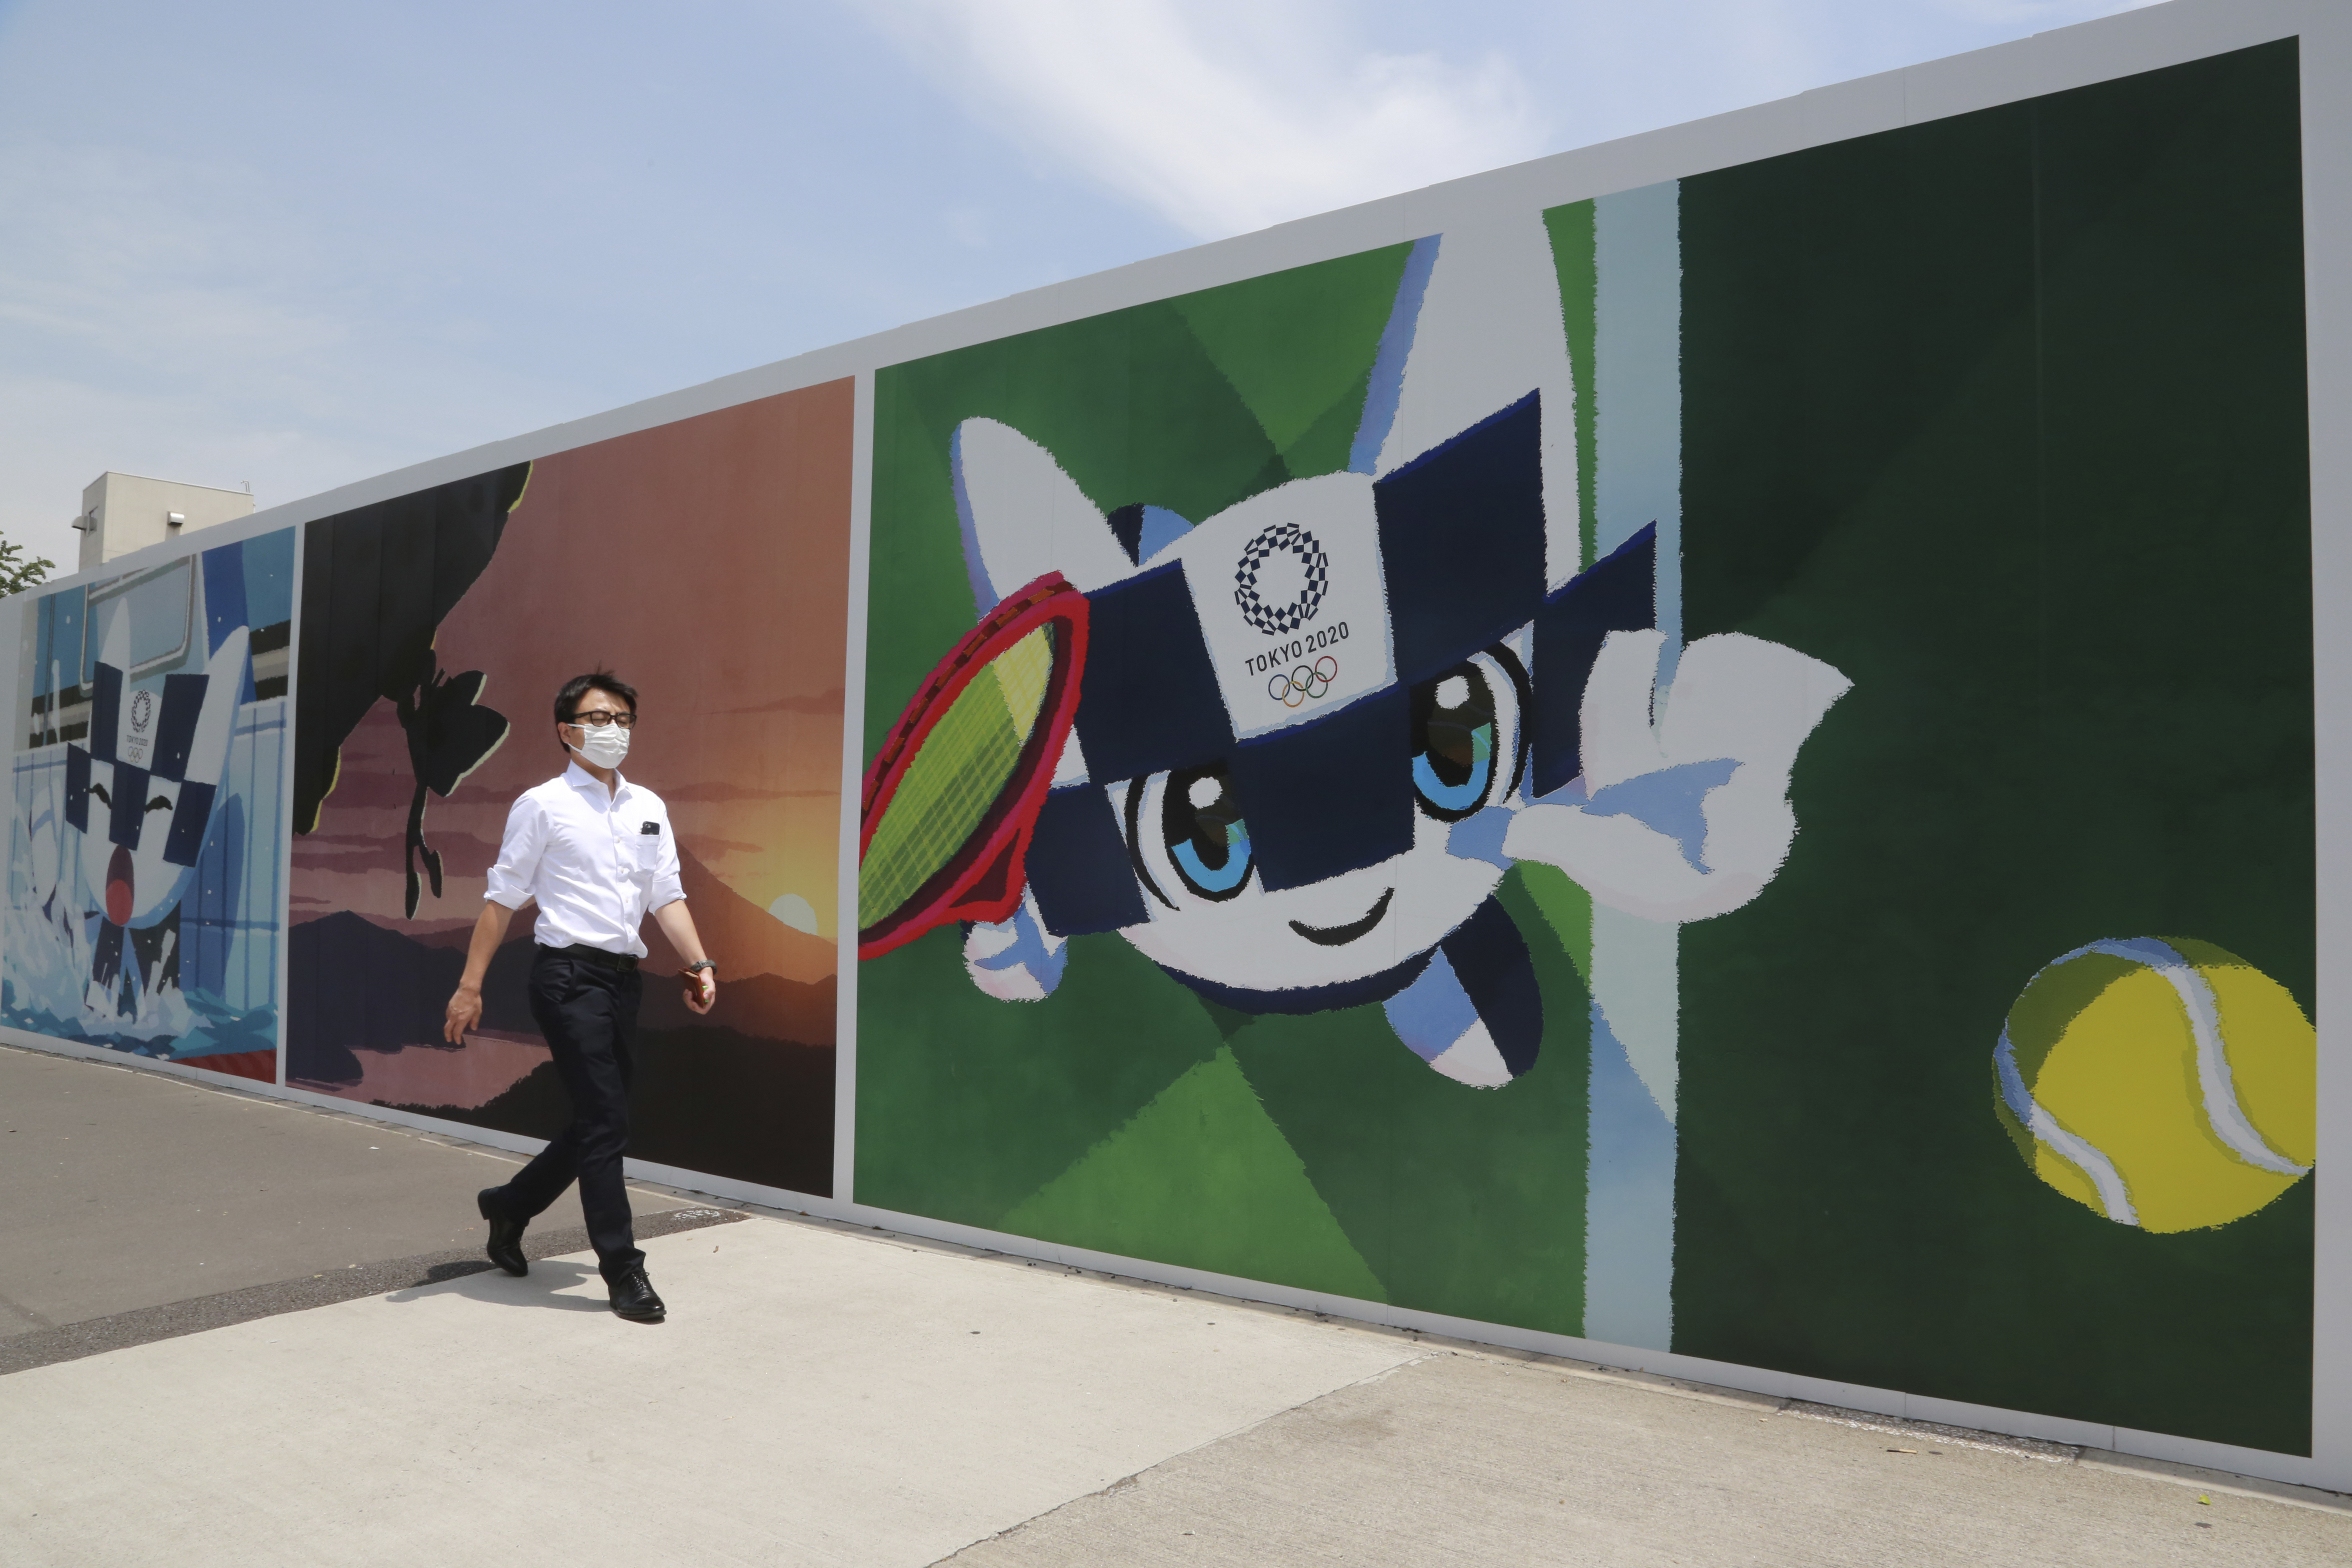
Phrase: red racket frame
[983,880]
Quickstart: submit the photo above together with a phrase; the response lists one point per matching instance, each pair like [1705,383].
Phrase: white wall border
[288,763]
[2123,44]
[2326,53]
[853,773]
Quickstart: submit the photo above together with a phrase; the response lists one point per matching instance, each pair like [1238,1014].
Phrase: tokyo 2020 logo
[1315,569]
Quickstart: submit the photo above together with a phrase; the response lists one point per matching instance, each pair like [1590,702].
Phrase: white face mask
[605,747]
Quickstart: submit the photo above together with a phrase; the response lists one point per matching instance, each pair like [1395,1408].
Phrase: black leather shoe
[634,1298]
[506,1237]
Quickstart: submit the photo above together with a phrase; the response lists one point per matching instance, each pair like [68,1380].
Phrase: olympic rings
[1305,683]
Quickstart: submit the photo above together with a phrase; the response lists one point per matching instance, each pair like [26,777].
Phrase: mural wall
[1726,769]
[146,848]
[705,562]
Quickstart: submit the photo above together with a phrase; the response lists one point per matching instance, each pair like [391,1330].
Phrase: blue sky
[296,245]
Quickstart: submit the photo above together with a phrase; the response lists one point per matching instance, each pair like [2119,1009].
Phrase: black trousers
[589,1013]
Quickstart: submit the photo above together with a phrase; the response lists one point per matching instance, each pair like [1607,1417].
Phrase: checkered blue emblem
[1282,539]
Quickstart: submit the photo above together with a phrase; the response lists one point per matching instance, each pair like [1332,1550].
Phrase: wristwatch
[698,964]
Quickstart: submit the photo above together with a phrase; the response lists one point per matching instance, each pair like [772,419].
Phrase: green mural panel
[2003,417]
[1464,1201]
[1202,1179]
[1123,1112]
[967,1106]
[1294,346]
[1572,257]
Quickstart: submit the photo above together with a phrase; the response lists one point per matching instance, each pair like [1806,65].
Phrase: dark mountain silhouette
[743,938]
[352,985]
[366,988]
[425,932]
[766,1006]
[745,1092]
[709,1100]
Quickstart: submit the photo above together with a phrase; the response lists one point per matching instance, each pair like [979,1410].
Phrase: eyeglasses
[596,719]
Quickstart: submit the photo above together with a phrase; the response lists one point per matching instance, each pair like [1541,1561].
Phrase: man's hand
[701,984]
[465,1004]
[464,1012]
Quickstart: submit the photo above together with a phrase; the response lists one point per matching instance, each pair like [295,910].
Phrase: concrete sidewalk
[823,1394]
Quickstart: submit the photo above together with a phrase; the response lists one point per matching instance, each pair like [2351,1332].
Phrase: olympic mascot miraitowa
[1317,728]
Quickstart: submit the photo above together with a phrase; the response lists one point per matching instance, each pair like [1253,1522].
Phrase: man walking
[597,853]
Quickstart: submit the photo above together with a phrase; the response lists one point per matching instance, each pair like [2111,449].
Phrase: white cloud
[1221,117]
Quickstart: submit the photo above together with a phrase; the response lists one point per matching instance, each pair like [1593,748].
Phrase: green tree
[17,574]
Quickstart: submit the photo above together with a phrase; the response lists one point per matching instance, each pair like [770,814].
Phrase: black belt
[620,960]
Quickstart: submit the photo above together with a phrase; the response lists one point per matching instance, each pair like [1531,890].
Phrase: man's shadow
[482,1282]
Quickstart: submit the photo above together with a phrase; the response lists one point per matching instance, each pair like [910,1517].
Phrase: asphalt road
[142,1206]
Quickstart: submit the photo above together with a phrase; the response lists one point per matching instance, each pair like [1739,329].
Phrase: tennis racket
[951,799]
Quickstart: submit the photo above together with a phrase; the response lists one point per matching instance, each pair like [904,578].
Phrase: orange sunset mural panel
[705,562]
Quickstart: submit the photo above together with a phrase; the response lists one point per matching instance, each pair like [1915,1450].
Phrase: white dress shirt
[596,861]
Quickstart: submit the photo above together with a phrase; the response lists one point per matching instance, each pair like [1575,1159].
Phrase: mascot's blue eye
[1207,841]
[1456,738]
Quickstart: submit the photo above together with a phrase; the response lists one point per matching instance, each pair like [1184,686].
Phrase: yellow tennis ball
[2164,1084]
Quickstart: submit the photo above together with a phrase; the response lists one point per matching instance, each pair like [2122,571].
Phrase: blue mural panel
[144,879]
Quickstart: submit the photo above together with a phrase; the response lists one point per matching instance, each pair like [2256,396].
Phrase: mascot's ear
[224,685]
[1479,326]
[955,793]
[1022,517]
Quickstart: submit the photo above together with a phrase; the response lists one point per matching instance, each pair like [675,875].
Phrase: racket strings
[956,775]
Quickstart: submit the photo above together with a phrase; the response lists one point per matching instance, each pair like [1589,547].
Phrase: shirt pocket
[647,861]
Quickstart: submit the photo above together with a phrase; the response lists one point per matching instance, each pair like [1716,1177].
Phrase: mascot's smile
[1340,936]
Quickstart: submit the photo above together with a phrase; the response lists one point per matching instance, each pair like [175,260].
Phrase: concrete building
[123,512]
